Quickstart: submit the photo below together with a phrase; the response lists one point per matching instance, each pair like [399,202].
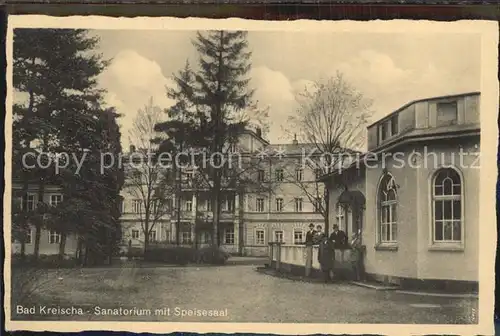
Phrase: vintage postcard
[231,175]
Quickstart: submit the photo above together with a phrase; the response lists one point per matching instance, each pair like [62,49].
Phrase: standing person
[310,235]
[339,239]
[326,257]
[319,234]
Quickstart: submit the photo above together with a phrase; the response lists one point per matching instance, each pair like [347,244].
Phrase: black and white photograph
[326,177]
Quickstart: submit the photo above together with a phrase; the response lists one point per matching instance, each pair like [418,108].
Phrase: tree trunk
[38,224]
[146,237]
[195,228]
[327,210]
[216,218]
[241,226]
[79,251]
[178,219]
[62,246]
[23,249]
[86,253]
[25,222]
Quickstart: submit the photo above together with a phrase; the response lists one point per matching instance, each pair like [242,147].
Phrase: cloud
[275,91]
[130,80]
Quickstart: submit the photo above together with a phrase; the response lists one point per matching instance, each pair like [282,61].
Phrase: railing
[282,256]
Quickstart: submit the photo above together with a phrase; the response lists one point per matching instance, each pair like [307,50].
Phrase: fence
[303,259]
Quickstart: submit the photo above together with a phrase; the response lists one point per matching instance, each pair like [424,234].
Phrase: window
[298,205]
[185,237]
[279,175]
[228,205]
[261,175]
[55,199]
[388,128]
[28,202]
[298,237]
[152,235]
[299,174]
[260,205]
[205,237]
[318,172]
[168,204]
[28,239]
[340,215]
[447,204]
[136,206]
[168,236]
[155,206]
[278,236]
[54,237]
[188,176]
[135,234]
[229,236]
[394,125]
[259,237]
[382,131]
[136,175]
[279,204]
[447,113]
[387,210]
[318,204]
[122,206]
[188,206]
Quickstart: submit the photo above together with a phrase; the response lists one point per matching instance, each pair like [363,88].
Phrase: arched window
[447,204]
[387,210]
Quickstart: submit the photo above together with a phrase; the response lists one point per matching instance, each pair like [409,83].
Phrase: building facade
[49,239]
[414,196]
[282,198]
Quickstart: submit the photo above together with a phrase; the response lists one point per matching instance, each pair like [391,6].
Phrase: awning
[354,198]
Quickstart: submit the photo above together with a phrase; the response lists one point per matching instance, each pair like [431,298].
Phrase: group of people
[327,246]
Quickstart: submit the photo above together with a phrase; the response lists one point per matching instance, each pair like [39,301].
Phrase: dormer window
[447,113]
[388,128]
[394,125]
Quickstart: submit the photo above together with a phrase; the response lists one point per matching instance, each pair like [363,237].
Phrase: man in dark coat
[318,237]
[339,239]
[310,235]
[326,257]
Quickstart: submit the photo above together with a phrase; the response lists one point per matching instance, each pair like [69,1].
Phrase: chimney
[132,148]
[295,142]
[259,132]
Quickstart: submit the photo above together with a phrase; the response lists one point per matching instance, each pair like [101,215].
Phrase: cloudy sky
[392,69]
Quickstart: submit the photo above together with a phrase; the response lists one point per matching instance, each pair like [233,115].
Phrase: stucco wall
[415,256]
[455,262]
[402,260]
[45,246]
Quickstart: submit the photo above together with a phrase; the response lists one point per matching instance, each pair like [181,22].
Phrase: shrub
[211,255]
[47,261]
[134,252]
[178,255]
[181,255]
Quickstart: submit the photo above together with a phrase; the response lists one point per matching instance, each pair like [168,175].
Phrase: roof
[474,93]
[298,148]
[404,138]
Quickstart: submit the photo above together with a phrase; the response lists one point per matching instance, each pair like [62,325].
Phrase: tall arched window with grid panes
[387,210]
[447,221]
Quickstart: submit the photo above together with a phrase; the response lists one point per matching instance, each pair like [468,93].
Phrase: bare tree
[331,117]
[148,180]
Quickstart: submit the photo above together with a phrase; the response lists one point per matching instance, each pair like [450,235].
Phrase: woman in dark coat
[326,257]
